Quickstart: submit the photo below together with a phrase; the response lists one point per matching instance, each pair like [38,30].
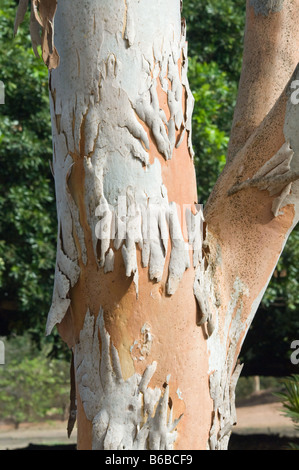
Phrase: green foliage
[290,401]
[27,203]
[214,98]
[32,387]
[290,398]
[215,30]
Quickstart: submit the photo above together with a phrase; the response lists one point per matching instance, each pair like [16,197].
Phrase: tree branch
[268,62]
[253,208]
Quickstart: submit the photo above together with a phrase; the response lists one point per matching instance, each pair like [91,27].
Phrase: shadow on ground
[261,442]
[237,442]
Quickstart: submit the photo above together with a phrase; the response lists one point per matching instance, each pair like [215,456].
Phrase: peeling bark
[265,7]
[148,285]
[137,417]
[275,176]
[41,28]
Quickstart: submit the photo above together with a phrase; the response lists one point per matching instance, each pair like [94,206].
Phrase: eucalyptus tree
[153,293]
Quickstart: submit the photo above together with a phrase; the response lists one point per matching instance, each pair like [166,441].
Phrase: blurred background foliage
[27,199]
[33,387]
[215,30]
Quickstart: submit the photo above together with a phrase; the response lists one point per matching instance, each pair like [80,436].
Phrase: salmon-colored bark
[191,333]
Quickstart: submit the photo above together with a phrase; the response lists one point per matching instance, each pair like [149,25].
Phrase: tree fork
[153,300]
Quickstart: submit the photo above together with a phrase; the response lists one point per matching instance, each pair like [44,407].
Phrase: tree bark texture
[154,295]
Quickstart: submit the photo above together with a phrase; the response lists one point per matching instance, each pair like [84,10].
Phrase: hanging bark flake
[138,417]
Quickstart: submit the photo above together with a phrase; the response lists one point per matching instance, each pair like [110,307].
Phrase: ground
[261,426]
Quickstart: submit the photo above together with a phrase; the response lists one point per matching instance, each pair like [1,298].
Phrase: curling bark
[153,296]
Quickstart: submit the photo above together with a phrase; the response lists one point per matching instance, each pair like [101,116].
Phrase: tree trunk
[153,297]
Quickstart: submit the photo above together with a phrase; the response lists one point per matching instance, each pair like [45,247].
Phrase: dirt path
[259,415]
[263,418]
[34,433]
